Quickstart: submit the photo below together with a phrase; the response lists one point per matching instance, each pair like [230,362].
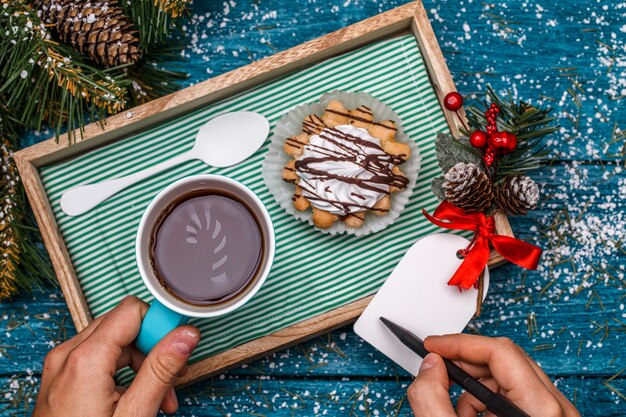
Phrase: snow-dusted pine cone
[517,194]
[467,187]
[98,29]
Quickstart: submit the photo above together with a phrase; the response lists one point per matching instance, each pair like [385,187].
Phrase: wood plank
[359,397]
[302,397]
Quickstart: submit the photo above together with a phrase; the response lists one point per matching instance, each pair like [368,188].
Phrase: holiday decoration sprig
[484,171]
[63,64]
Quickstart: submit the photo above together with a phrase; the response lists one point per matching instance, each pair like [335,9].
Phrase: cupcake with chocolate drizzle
[346,166]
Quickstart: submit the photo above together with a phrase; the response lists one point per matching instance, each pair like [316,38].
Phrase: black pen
[494,402]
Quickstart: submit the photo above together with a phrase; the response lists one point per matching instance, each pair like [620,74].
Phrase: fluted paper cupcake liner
[291,125]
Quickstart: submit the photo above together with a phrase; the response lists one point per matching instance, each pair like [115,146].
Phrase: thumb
[428,394]
[158,373]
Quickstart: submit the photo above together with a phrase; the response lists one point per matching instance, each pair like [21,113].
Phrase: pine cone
[467,187]
[99,29]
[517,194]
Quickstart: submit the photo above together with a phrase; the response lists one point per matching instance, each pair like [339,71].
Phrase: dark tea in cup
[206,247]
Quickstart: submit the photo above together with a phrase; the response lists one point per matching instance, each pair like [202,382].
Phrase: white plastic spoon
[223,141]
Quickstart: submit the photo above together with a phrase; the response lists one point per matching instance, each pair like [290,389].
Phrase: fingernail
[429,361]
[185,341]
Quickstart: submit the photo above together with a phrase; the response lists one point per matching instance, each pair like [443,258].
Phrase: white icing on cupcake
[344,170]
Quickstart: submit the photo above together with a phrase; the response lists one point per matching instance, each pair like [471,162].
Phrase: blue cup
[167,311]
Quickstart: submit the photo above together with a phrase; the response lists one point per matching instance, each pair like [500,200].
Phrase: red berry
[493,106]
[502,142]
[512,143]
[453,101]
[478,139]
[489,158]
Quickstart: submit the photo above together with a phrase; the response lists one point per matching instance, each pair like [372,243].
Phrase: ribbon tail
[473,264]
[452,223]
[517,251]
[437,222]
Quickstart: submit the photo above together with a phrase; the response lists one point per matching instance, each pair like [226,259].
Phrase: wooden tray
[408,19]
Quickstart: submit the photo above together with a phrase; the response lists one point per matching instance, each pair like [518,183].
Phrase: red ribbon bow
[449,216]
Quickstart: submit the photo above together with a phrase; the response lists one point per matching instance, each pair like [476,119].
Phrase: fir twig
[46,82]
[22,264]
[607,383]
[155,19]
[149,80]
[527,122]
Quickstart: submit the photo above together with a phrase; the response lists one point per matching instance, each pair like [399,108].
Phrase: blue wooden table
[569,315]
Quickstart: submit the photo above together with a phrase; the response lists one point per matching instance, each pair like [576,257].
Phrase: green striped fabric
[313,272]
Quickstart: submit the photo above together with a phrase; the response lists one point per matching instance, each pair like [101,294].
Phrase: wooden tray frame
[410,18]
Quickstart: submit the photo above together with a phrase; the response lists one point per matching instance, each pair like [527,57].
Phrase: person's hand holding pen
[499,364]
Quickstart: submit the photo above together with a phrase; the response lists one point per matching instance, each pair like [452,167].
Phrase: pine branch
[149,80]
[22,263]
[175,8]
[520,118]
[529,124]
[45,82]
[155,19]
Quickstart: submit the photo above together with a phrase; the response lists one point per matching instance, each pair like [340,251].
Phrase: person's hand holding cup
[204,247]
